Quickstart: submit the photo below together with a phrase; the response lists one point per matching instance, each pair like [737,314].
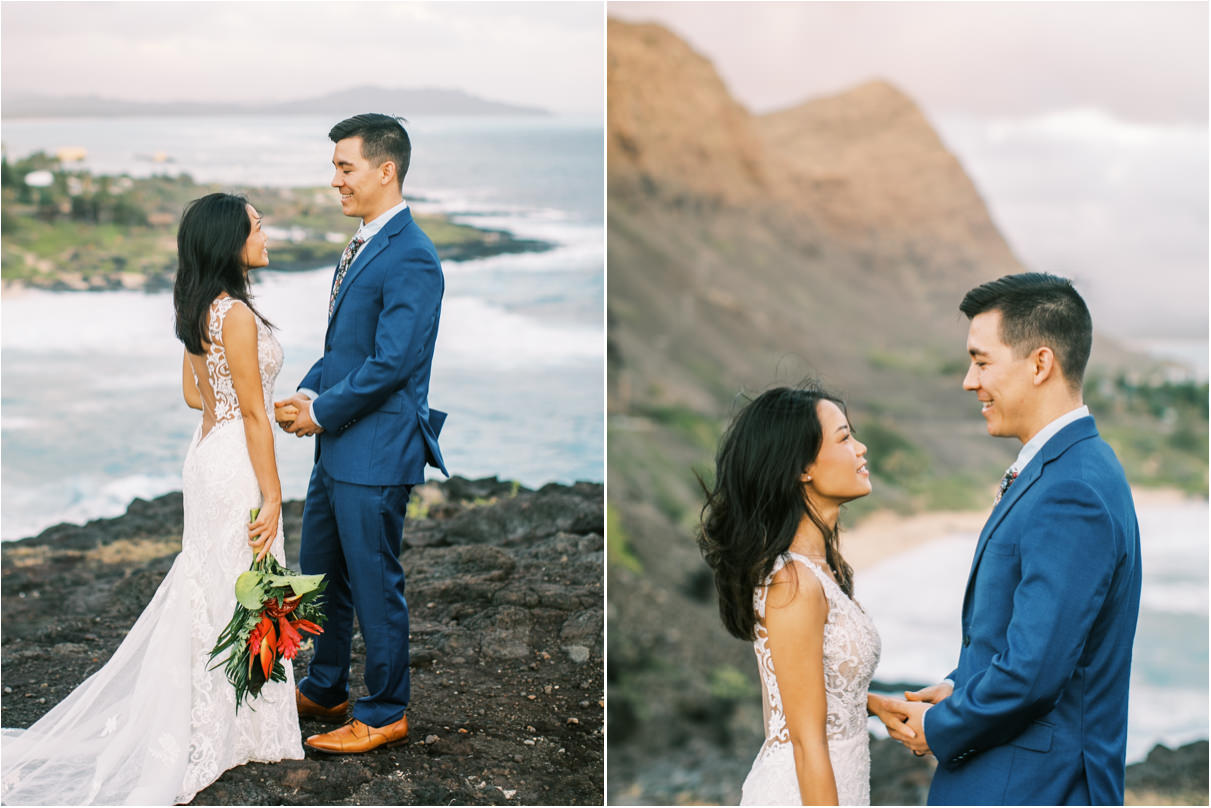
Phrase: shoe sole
[327,719]
[399,742]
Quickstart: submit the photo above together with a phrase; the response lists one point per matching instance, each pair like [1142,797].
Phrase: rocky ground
[505,593]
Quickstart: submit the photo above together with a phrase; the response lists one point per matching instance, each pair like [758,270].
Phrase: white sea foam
[474,333]
[110,323]
[91,498]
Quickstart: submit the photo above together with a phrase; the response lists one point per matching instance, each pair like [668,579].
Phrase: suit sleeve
[1068,560]
[312,380]
[411,300]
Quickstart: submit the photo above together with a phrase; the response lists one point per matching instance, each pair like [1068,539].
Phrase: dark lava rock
[505,597]
[1170,776]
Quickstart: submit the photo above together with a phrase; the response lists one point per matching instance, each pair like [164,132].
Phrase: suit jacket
[373,379]
[1039,711]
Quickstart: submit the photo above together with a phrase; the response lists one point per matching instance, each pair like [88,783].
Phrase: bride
[153,725]
[784,468]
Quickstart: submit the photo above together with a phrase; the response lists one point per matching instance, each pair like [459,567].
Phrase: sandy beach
[884,534]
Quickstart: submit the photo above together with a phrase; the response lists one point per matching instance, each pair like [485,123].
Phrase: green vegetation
[1158,428]
[726,683]
[618,550]
[698,429]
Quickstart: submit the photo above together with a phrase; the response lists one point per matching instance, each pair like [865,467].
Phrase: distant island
[406,102]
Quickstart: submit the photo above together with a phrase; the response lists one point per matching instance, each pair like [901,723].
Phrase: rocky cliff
[505,594]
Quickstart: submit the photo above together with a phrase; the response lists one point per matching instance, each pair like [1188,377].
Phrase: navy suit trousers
[353,534]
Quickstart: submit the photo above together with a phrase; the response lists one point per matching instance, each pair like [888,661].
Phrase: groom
[1036,712]
[366,399]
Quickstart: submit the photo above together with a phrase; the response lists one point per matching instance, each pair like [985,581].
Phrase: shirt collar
[1032,446]
[368,231]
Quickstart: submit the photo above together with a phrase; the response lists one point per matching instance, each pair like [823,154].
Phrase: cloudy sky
[541,54]
[1084,124]
[1141,61]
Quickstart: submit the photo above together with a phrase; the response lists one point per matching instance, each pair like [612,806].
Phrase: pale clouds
[1144,61]
[539,54]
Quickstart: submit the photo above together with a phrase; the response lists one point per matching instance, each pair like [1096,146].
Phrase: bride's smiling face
[256,248]
[839,472]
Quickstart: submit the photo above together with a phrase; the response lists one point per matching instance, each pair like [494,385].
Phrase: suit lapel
[373,247]
[1067,437]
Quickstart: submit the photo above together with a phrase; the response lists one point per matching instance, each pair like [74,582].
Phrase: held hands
[932,694]
[293,415]
[916,724]
[890,711]
[911,732]
[263,529]
[285,414]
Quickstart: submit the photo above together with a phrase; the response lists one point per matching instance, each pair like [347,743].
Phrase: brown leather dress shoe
[356,737]
[309,709]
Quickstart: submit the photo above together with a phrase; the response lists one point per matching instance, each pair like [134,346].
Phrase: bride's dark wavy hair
[752,512]
[210,261]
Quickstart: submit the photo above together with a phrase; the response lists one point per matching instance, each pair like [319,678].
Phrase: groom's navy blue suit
[1039,710]
[379,433]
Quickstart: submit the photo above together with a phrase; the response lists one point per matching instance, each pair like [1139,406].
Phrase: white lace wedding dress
[153,725]
[851,652]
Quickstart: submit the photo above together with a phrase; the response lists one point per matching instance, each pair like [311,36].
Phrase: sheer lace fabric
[153,725]
[851,652]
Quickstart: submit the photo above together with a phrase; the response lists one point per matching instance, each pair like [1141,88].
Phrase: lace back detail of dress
[220,401]
[218,373]
[851,652]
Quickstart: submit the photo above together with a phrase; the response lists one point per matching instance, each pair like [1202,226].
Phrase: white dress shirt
[1032,446]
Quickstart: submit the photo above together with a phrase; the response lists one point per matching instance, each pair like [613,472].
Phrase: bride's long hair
[753,510]
[210,261]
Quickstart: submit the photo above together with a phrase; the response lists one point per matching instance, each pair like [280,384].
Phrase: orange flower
[268,649]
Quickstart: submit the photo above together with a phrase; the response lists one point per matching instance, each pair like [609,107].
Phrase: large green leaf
[249,590]
[299,584]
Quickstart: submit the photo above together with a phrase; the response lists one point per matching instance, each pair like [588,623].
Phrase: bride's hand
[264,529]
[892,716]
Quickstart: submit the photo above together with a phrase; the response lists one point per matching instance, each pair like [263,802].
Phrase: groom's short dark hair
[383,138]
[1038,309]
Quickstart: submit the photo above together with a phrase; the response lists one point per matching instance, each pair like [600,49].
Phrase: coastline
[286,258]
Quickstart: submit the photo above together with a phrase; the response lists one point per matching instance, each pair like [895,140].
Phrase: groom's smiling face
[1002,381]
[361,184]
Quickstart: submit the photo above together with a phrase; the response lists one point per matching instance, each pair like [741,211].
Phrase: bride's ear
[806,476]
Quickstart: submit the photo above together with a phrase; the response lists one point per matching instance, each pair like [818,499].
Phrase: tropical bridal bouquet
[273,604]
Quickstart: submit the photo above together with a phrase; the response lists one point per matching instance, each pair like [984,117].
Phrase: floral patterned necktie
[346,259]
[1006,481]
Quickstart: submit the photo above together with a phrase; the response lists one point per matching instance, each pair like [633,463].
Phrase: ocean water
[1169,673]
[92,409]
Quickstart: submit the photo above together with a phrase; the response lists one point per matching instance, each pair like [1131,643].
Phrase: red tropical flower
[289,640]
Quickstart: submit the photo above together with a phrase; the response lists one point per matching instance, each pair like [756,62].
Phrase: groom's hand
[303,424]
[916,722]
[932,694]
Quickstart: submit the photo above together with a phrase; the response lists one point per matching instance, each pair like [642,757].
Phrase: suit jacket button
[966,640]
